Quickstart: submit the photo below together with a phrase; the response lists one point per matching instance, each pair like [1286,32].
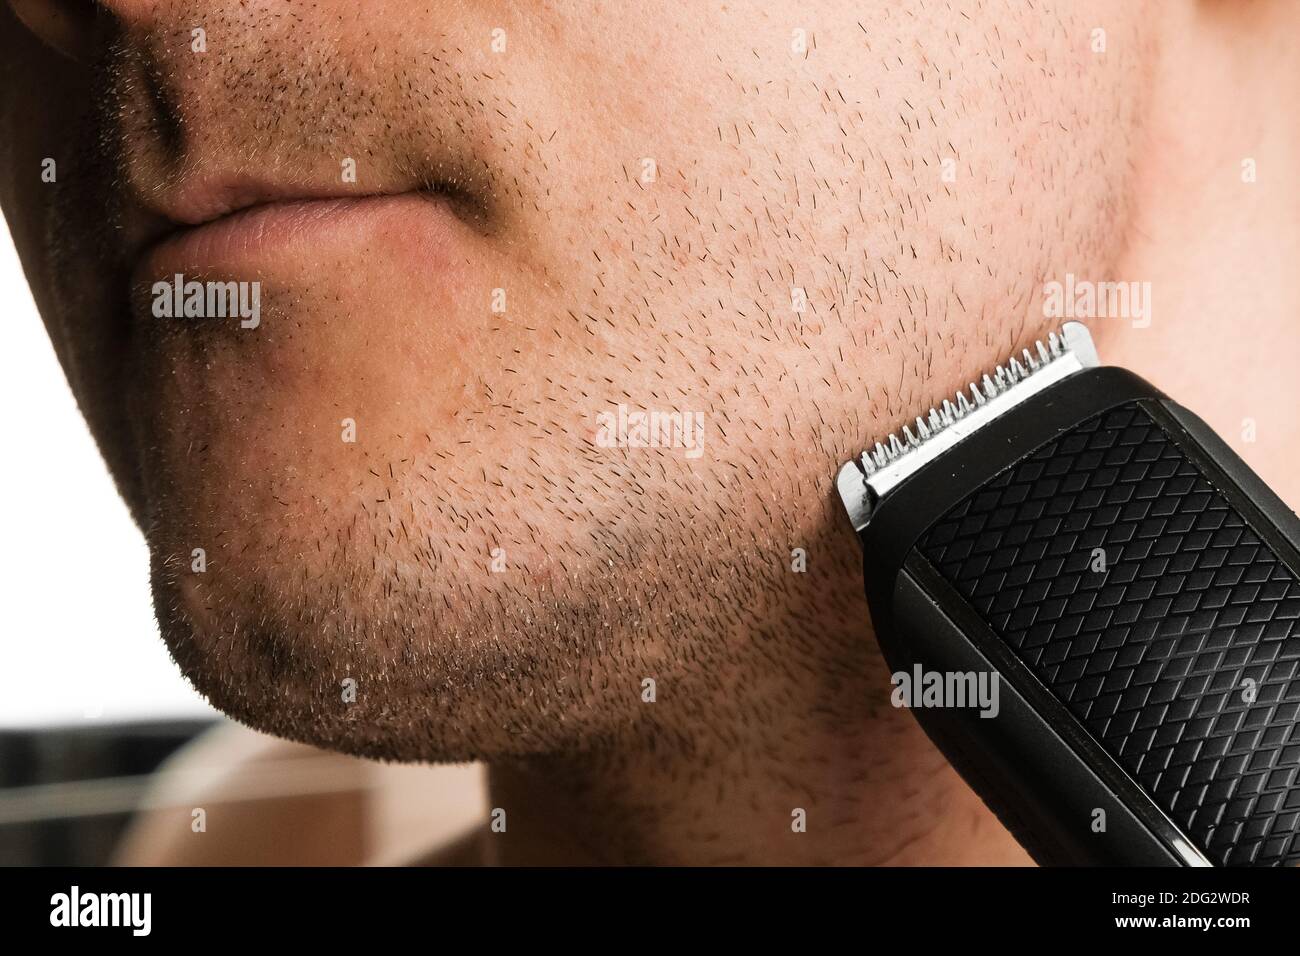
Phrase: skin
[476,431]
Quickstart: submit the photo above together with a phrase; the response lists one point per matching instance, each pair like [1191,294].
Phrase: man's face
[485,236]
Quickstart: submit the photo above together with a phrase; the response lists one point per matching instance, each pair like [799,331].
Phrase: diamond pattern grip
[1140,597]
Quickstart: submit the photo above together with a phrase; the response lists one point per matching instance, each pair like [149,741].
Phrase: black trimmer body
[1129,587]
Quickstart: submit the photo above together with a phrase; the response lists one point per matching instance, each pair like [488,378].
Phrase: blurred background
[92,705]
[91,700]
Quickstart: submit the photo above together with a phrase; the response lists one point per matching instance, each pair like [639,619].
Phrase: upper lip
[181,168]
[181,171]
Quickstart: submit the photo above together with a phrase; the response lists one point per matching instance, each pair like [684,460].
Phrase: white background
[78,642]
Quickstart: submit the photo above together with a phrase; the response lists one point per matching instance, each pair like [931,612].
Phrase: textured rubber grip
[1143,600]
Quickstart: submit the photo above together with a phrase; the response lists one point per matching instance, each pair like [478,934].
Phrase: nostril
[68,26]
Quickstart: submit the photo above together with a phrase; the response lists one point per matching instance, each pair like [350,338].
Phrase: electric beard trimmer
[1129,586]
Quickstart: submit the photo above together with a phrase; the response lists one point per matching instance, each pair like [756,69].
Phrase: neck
[880,796]
[802,762]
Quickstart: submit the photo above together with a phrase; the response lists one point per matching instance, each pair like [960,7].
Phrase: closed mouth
[241,238]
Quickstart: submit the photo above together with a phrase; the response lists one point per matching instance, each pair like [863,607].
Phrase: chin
[335,627]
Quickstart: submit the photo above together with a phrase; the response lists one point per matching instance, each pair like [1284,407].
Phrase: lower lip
[253,238]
